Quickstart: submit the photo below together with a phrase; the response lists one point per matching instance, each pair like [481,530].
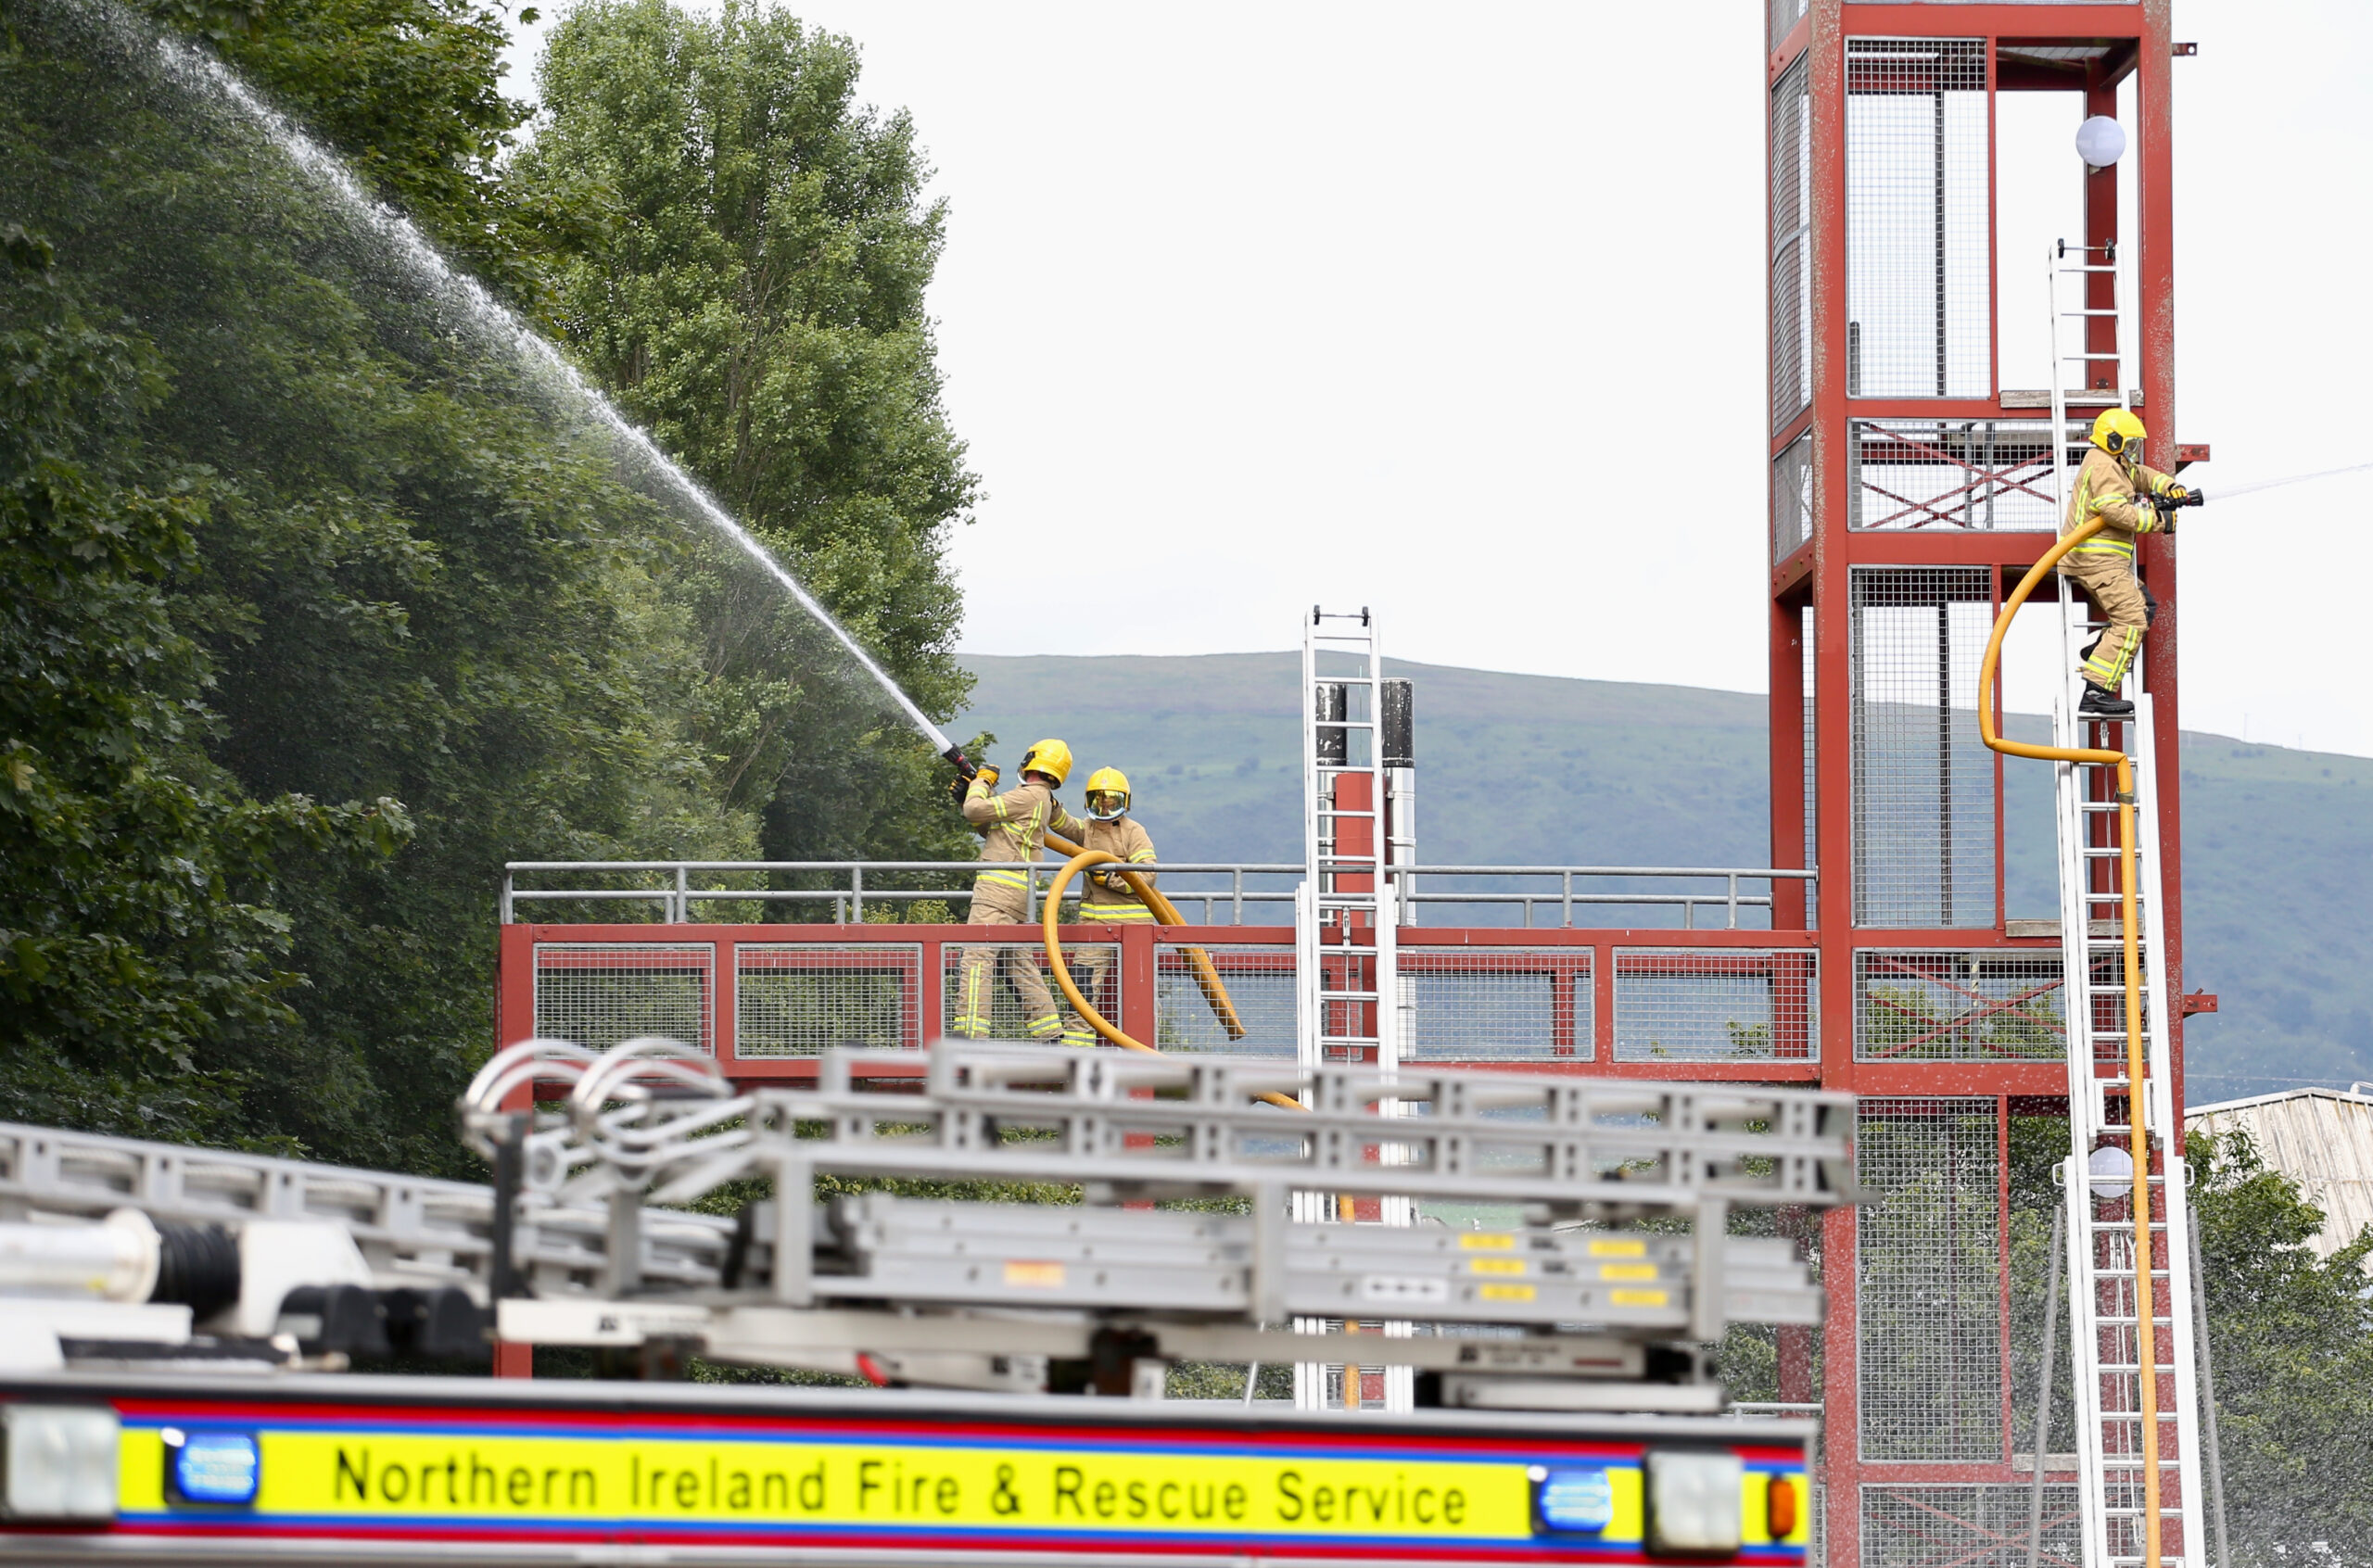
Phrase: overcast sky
[1458,312]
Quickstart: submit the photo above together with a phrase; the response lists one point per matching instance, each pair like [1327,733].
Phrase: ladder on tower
[2121,1370]
[1346,920]
[1347,916]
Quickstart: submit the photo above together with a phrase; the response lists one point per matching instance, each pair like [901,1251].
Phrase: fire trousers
[1095,964]
[2109,580]
[995,904]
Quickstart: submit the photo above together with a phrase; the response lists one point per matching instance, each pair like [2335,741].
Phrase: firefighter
[1107,898]
[2111,485]
[1014,833]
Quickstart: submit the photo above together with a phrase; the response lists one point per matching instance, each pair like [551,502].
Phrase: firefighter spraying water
[2129,498]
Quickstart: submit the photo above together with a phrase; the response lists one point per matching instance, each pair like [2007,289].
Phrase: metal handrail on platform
[677,888]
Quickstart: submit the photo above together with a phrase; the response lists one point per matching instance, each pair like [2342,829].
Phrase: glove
[2177,494]
[1112,880]
[962,786]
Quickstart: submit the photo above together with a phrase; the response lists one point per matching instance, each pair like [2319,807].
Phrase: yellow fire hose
[1207,974]
[1080,861]
[2146,1329]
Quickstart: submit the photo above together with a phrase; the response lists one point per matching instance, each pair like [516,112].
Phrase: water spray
[2228,492]
[191,65]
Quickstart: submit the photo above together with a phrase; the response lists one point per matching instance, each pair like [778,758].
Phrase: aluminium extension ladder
[1346,920]
[2105,1342]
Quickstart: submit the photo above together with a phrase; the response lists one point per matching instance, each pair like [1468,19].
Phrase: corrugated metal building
[2321,1139]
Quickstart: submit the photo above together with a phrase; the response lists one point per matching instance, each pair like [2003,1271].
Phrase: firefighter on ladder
[1013,834]
[2113,485]
[1107,898]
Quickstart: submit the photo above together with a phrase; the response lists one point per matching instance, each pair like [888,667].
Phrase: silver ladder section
[2106,1346]
[1345,926]
[413,1231]
[1346,920]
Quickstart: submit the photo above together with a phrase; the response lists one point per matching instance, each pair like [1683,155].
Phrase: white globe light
[2100,141]
[2111,1173]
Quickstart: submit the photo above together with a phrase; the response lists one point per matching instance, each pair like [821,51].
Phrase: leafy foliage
[374,559]
[748,279]
[2293,1340]
[140,978]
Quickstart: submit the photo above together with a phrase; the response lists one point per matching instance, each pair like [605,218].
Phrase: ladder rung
[2089,269]
[2078,356]
[2088,313]
[1348,995]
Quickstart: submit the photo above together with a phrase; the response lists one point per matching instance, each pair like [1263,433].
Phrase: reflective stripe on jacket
[1126,839]
[2106,489]
[1013,828]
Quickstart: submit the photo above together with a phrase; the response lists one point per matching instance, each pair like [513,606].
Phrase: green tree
[408,93]
[140,986]
[748,278]
[411,577]
[2292,1336]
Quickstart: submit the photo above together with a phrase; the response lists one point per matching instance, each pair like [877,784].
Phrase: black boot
[2099,702]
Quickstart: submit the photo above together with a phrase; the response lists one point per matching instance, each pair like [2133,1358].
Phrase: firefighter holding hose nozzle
[2113,485]
[1013,830]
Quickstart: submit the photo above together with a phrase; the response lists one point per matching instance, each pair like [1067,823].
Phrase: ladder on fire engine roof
[1345,923]
[2107,1344]
[979,1294]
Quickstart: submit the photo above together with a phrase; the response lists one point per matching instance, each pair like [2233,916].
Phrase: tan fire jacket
[2105,487]
[1013,827]
[1132,843]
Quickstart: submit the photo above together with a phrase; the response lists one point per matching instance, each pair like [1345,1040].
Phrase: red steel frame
[1817,574]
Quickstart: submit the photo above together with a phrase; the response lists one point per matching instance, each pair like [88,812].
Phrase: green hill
[1532,769]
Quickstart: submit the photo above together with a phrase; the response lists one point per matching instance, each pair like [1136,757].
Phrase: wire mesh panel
[1791,498]
[1496,1003]
[1005,974]
[1967,1526]
[596,994]
[1785,14]
[1792,130]
[1928,1253]
[1695,1005]
[1924,780]
[1927,1006]
[1919,240]
[1951,474]
[1260,985]
[798,999]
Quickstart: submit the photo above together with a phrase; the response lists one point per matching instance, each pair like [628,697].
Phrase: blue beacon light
[1579,1501]
[219,1468]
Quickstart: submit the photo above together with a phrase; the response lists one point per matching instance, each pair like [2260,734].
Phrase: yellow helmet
[1107,781]
[1049,757]
[2116,430]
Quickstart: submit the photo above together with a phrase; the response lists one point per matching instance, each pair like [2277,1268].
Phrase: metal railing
[676,886]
